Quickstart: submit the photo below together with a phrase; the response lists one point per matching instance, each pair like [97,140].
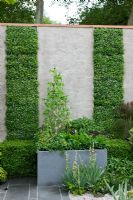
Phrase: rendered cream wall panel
[70,51]
[128,65]
[2,83]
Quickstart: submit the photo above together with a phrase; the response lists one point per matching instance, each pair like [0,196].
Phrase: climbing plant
[108,74]
[22,84]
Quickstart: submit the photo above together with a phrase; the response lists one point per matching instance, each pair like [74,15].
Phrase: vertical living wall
[108,75]
[22,84]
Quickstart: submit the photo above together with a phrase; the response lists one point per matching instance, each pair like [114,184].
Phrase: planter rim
[104,149]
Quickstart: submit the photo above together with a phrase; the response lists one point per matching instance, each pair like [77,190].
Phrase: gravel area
[90,197]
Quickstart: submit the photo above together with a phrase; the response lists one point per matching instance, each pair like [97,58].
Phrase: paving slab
[26,189]
[19,192]
[48,193]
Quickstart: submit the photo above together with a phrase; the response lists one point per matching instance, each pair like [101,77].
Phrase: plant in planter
[82,177]
[53,140]
[57,114]
[3,173]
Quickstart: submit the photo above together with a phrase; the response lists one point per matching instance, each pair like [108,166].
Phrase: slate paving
[27,189]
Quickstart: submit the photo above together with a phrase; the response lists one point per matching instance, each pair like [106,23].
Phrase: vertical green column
[22,83]
[108,74]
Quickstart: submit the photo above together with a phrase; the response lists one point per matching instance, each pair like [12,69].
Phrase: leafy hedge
[18,158]
[108,74]
[22,84]
[81,141]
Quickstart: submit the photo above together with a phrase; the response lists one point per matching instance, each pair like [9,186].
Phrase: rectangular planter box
[51,165]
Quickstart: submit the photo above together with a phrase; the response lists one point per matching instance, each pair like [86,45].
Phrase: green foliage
[108,75]
[18,158]
[22,84]
[81,177]
[131,136]
[111,14]
[47,20]
[9,1]
[22,11]
[125,123]
[66,141]
[56,113]
[85,125]
[117,171]
[3,175]
[121,193]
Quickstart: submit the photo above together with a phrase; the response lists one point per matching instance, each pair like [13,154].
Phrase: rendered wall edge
[2,83]
[128,65]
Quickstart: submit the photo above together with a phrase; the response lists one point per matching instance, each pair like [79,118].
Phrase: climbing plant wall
[108,74]
[95,63]
[22,83]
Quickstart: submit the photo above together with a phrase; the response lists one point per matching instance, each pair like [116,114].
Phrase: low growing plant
[122,193]
[117,171]
[81,177]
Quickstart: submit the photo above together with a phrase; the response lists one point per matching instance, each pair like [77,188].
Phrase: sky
[58,13]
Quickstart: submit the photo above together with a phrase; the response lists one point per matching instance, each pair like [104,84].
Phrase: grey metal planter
[51,165]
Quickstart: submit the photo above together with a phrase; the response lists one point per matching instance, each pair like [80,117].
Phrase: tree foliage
[111,12]
[9,1]
[23,11]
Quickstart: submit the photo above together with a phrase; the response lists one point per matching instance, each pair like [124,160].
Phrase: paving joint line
[6,192]
[60,193]
[29,192]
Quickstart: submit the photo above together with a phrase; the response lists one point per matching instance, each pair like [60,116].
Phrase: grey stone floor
[26,189]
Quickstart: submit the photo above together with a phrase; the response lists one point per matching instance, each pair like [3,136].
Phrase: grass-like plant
[122,193]
[80,177]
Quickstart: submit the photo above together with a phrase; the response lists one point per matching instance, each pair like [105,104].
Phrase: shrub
[125,121]
[66,141]
[85,125]
[117,171]
[56,113]
[3,173]
[18,158]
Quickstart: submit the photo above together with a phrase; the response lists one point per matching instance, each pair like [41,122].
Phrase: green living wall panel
[22,84]
[108,74]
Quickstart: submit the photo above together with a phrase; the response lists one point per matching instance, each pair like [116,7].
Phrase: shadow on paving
[26,189]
